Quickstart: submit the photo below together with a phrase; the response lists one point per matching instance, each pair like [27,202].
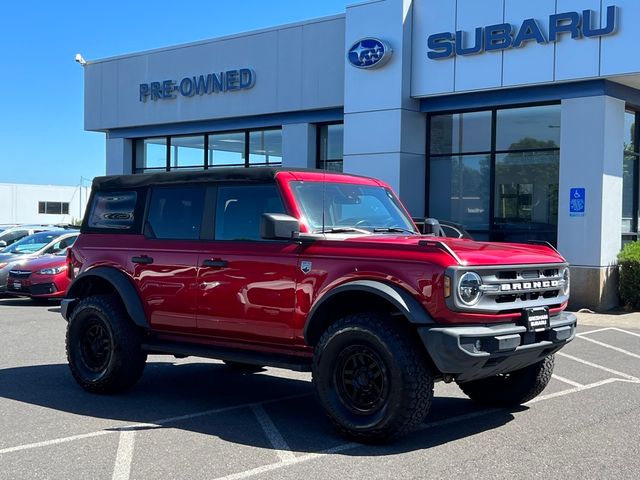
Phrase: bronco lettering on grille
[506,287]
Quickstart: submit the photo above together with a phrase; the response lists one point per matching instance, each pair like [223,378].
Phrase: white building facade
[42,204]
[515,118]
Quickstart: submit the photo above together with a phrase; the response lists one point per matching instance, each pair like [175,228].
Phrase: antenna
[324,182]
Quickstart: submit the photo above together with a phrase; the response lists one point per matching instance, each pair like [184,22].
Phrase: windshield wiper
[395,230]
[343,230]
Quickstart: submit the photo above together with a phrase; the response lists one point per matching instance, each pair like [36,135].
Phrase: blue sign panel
[577,202]
[369,53]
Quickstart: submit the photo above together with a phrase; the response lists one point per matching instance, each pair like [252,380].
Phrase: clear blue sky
[42,139]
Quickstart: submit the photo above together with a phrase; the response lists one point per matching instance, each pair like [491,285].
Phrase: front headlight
[566,277]
[51,271]
[469,288]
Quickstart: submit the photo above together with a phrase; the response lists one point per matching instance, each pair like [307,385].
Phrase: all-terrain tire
[240,367]
[513,388]
[371,378]
[103,346]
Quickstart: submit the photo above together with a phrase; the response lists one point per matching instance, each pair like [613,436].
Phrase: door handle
[144,259]
[216,263]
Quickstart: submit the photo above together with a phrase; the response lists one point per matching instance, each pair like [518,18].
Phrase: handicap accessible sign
[577,202]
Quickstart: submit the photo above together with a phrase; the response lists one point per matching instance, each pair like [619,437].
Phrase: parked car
[41,243]
[311,271]
[42,277]
[12,234]
[444,228]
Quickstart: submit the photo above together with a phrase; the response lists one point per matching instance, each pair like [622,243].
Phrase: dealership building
[515,118]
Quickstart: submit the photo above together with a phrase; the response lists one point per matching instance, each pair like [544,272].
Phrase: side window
[62,245]
[113,210]
[175,212]
[239,209]
[16,235]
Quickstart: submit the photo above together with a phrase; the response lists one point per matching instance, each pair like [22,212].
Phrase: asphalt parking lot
[193,418]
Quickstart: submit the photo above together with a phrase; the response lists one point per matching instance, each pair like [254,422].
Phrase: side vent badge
[305,266]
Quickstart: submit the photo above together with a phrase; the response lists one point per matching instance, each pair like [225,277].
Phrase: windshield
[32,243]
[350,207]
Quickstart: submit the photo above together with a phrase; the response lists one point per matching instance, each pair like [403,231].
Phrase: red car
[42,277]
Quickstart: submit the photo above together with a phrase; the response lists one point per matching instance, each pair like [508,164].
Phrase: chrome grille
[509,288]
[19,273]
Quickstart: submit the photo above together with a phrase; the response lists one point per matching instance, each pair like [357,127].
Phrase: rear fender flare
[121,284]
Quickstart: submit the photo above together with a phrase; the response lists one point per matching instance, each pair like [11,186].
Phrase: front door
[247,285]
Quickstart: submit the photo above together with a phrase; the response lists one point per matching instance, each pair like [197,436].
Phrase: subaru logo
[369,53]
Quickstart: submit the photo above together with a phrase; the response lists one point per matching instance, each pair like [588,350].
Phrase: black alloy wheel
[361,379]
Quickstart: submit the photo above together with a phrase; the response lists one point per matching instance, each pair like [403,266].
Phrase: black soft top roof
[234,174]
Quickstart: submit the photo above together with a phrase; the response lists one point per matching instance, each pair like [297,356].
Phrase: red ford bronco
[309,270]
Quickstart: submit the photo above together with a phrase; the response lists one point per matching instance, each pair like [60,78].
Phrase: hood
[10,257]
[38,263]
[470,252]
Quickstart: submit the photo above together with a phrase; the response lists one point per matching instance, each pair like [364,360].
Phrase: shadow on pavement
[167,391]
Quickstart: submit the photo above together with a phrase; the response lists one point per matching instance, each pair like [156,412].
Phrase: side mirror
[429,226]
[278,226]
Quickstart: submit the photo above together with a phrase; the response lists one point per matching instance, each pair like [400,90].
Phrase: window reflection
[331,142]
[526,189]
[460,190]
[226,149]
[529,128]
[187,152]
[265,147]
[461,133]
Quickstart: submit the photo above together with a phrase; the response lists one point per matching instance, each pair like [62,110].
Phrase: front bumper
[473,352]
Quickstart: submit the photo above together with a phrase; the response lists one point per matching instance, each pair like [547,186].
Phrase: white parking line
[273,434]
[122,468]
[341,448]
[549,396]
[567,381]
[627,332]
[594,331]
[610,347]
[599,367]
[439,423]
[152,424]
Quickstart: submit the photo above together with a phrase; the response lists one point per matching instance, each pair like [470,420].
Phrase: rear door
[164,264]
[246,284]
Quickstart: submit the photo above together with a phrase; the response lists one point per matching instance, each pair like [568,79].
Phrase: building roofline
[232,36]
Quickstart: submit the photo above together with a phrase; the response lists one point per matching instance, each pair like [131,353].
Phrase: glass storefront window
[629,173]
[244,148]
[461,133]
[630,179]
[151,154]
[330,147]
[460,190]
[226,149]
[500,183]
[526,186]
[187,152]
[529,128]
[265,147]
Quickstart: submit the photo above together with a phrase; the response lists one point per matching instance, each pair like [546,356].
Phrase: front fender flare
[400,298]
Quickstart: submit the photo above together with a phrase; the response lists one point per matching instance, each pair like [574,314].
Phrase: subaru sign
[505,36]
[227,81]
[369,53]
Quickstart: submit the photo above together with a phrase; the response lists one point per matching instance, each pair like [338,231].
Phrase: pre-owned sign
[227,81]
[504,36]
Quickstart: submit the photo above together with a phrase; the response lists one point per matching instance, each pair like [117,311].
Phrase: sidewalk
[614,318]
